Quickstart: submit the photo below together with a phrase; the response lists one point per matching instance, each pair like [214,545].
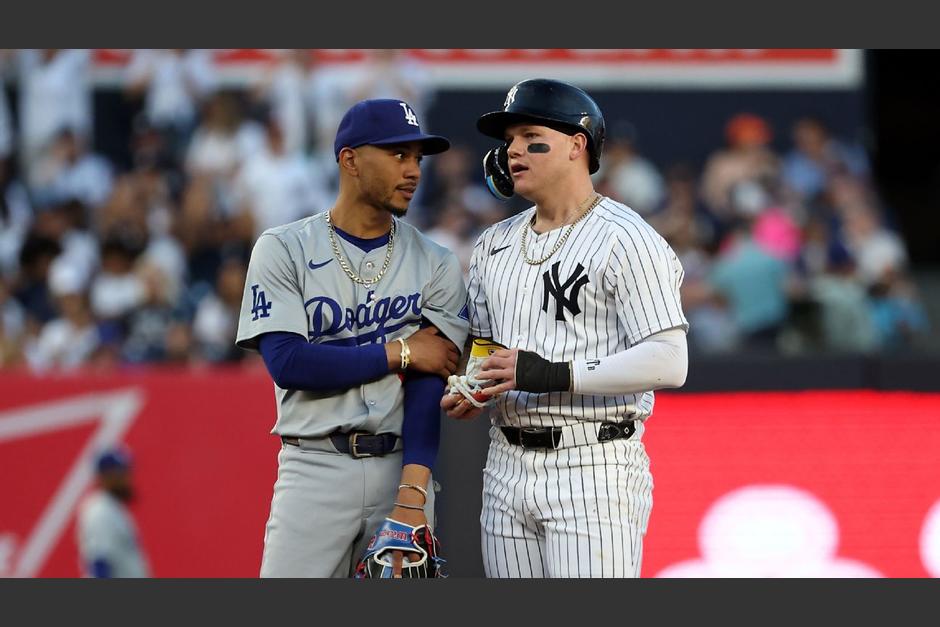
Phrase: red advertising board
[598,68]
[824,484]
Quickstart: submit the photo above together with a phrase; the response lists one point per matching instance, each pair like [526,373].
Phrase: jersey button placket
[523,326]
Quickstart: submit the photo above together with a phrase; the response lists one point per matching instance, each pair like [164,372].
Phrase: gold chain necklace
[345,266]
[564,237]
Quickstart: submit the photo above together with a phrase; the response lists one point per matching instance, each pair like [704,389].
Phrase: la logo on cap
[410,116]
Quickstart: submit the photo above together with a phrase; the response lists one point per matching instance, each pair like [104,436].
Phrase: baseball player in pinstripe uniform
[358,317]
[577,299]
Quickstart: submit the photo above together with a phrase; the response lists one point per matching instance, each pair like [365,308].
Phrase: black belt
[356,443]
[549,437]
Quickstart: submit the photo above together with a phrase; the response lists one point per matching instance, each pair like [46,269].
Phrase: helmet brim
[495,123]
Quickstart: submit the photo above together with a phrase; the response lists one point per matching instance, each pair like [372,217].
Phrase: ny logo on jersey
[410,116]
[259,304]
[511,96]
[554,287]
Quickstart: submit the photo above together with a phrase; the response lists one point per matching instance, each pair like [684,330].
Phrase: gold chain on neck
[564,237]
[345,266]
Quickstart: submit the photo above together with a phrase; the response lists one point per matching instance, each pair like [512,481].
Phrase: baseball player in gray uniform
[358,317]
[108,541]
[581,298]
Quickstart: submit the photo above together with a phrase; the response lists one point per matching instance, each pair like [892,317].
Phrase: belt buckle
[531,431]
[354,446]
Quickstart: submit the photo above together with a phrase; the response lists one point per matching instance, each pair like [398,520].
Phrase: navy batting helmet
[550,103]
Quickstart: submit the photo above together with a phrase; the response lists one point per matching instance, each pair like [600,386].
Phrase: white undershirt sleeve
[659,361]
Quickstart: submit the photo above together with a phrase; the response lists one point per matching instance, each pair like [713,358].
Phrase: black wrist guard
[538,375]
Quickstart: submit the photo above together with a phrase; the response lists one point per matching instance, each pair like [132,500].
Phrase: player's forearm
[295,364]
[659,361]
[421,425]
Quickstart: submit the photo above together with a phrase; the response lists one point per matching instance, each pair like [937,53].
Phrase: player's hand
[456,406]
[413,517]
[500,367]
[432,353]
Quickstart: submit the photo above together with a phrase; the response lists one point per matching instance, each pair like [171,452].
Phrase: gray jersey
[107,532]
[295,284]
[613,283]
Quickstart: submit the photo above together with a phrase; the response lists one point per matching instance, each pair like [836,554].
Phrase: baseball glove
[420,547]
[468,384]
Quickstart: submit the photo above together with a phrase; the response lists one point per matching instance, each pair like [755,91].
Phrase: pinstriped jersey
[613,283]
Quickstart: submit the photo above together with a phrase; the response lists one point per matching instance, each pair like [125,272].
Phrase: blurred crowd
[110,265]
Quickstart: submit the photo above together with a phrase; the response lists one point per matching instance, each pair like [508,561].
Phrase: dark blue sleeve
[421,427]
[295,364]
[101,568]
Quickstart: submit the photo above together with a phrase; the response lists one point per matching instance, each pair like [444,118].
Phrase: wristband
[538,375]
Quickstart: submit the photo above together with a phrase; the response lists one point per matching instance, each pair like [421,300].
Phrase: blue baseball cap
[381,122]
[117,458]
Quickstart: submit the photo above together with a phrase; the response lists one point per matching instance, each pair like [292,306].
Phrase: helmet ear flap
[497,174]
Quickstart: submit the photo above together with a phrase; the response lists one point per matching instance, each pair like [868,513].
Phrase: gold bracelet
[423,492]
[406,506]
[405,353]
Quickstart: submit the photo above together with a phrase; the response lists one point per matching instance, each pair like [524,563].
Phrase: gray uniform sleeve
[646,275]
[273,299]
[477,308]
[445,301]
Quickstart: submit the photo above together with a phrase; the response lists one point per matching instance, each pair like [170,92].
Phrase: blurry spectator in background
[627,176]
[390,73]
[69,171]
[816,157]
[223,140]
[71,339]
[117,290]
[148,198]
[683,220]
[216,321]
[276,186]
[747,156]
[899,317]
[107,538]
[16,218]
[31,288]
[149,324]
[67,223]
[173,83]
[54,93]
[878,251]
[846,320]
[283,90]
[774,228]
[456,229]
[752,282]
